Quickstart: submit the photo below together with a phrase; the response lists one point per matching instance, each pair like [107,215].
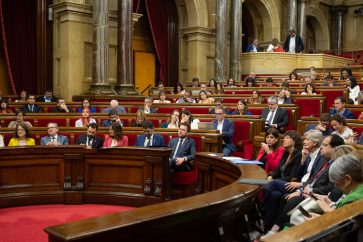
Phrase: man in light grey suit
[53,138]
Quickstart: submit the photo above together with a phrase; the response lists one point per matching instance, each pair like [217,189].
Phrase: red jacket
[272,159]
[122,142]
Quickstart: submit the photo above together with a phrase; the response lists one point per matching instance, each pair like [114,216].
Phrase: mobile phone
[313,196]
[304,212]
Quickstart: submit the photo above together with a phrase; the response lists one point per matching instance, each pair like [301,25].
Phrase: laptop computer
[205,125]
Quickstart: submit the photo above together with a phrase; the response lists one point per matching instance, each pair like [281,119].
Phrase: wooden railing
[344,224]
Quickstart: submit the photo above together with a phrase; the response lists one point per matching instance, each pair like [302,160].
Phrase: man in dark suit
[274,116]
[183,153]
[149,138]
[339,108]
[113,117]
[226,128]
[31,107]
[48,97]
[90,139]
[310,159]
[293,43]
[53,138]
[62,106]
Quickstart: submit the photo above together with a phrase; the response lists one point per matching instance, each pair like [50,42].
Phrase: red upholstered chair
[198,143]
[62,122]
[330,96]
[186,178]
[184,183]
[155,122]
[132,138]
[7,138]
[166,138]
[355,112]
[255,111]
[242,139]
[72,122]
[231,100]
[167,110]
[309,107]
[198,110]
[134,109]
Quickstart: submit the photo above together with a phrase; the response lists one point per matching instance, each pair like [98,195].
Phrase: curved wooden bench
[196,218]
[127,176]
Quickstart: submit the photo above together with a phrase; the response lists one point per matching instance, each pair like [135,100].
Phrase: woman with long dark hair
[353,89]
[271,151]
[242,108]
[287,171]
[116,137]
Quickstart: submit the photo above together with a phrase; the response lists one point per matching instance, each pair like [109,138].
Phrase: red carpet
[23,224]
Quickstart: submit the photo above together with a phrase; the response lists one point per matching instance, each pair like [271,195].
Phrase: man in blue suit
[183,153]
[149,138]
[252,47]
[339,108]
[53,138]
[226,128]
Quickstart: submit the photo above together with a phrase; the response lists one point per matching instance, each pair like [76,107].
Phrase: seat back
[186,178]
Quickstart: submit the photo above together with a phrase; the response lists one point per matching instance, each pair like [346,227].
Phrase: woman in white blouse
[186,116]
[339,124]
[162,98]
[86,119]
[353,88]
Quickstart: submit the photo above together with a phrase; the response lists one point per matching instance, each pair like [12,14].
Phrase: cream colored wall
[197,33]
[73,46]
[353,34]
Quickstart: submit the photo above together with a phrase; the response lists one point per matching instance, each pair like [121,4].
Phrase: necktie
[271,117]
[53,138]
[89,142]
[148,142]
[177,148]
[31,108]
[312,180]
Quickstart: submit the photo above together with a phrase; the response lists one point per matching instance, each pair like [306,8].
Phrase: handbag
[310,205]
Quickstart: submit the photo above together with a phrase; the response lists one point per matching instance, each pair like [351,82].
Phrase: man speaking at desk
[183,152]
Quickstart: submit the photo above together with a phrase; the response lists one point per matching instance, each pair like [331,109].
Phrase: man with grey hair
[274,116]
[53,138]
[114,106]
[148,101]
[310,159]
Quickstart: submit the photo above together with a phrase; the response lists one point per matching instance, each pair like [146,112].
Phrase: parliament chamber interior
[181,120]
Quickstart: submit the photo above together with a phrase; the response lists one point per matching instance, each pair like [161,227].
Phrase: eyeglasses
[52,127]
[219,114]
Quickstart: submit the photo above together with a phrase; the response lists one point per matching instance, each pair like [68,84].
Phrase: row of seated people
[241,109]
[315,109]
[349,82]
[284,97]
[175,120]
[307,171]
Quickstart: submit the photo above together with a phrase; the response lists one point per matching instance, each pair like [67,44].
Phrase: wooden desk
[196,218]
[75,175]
